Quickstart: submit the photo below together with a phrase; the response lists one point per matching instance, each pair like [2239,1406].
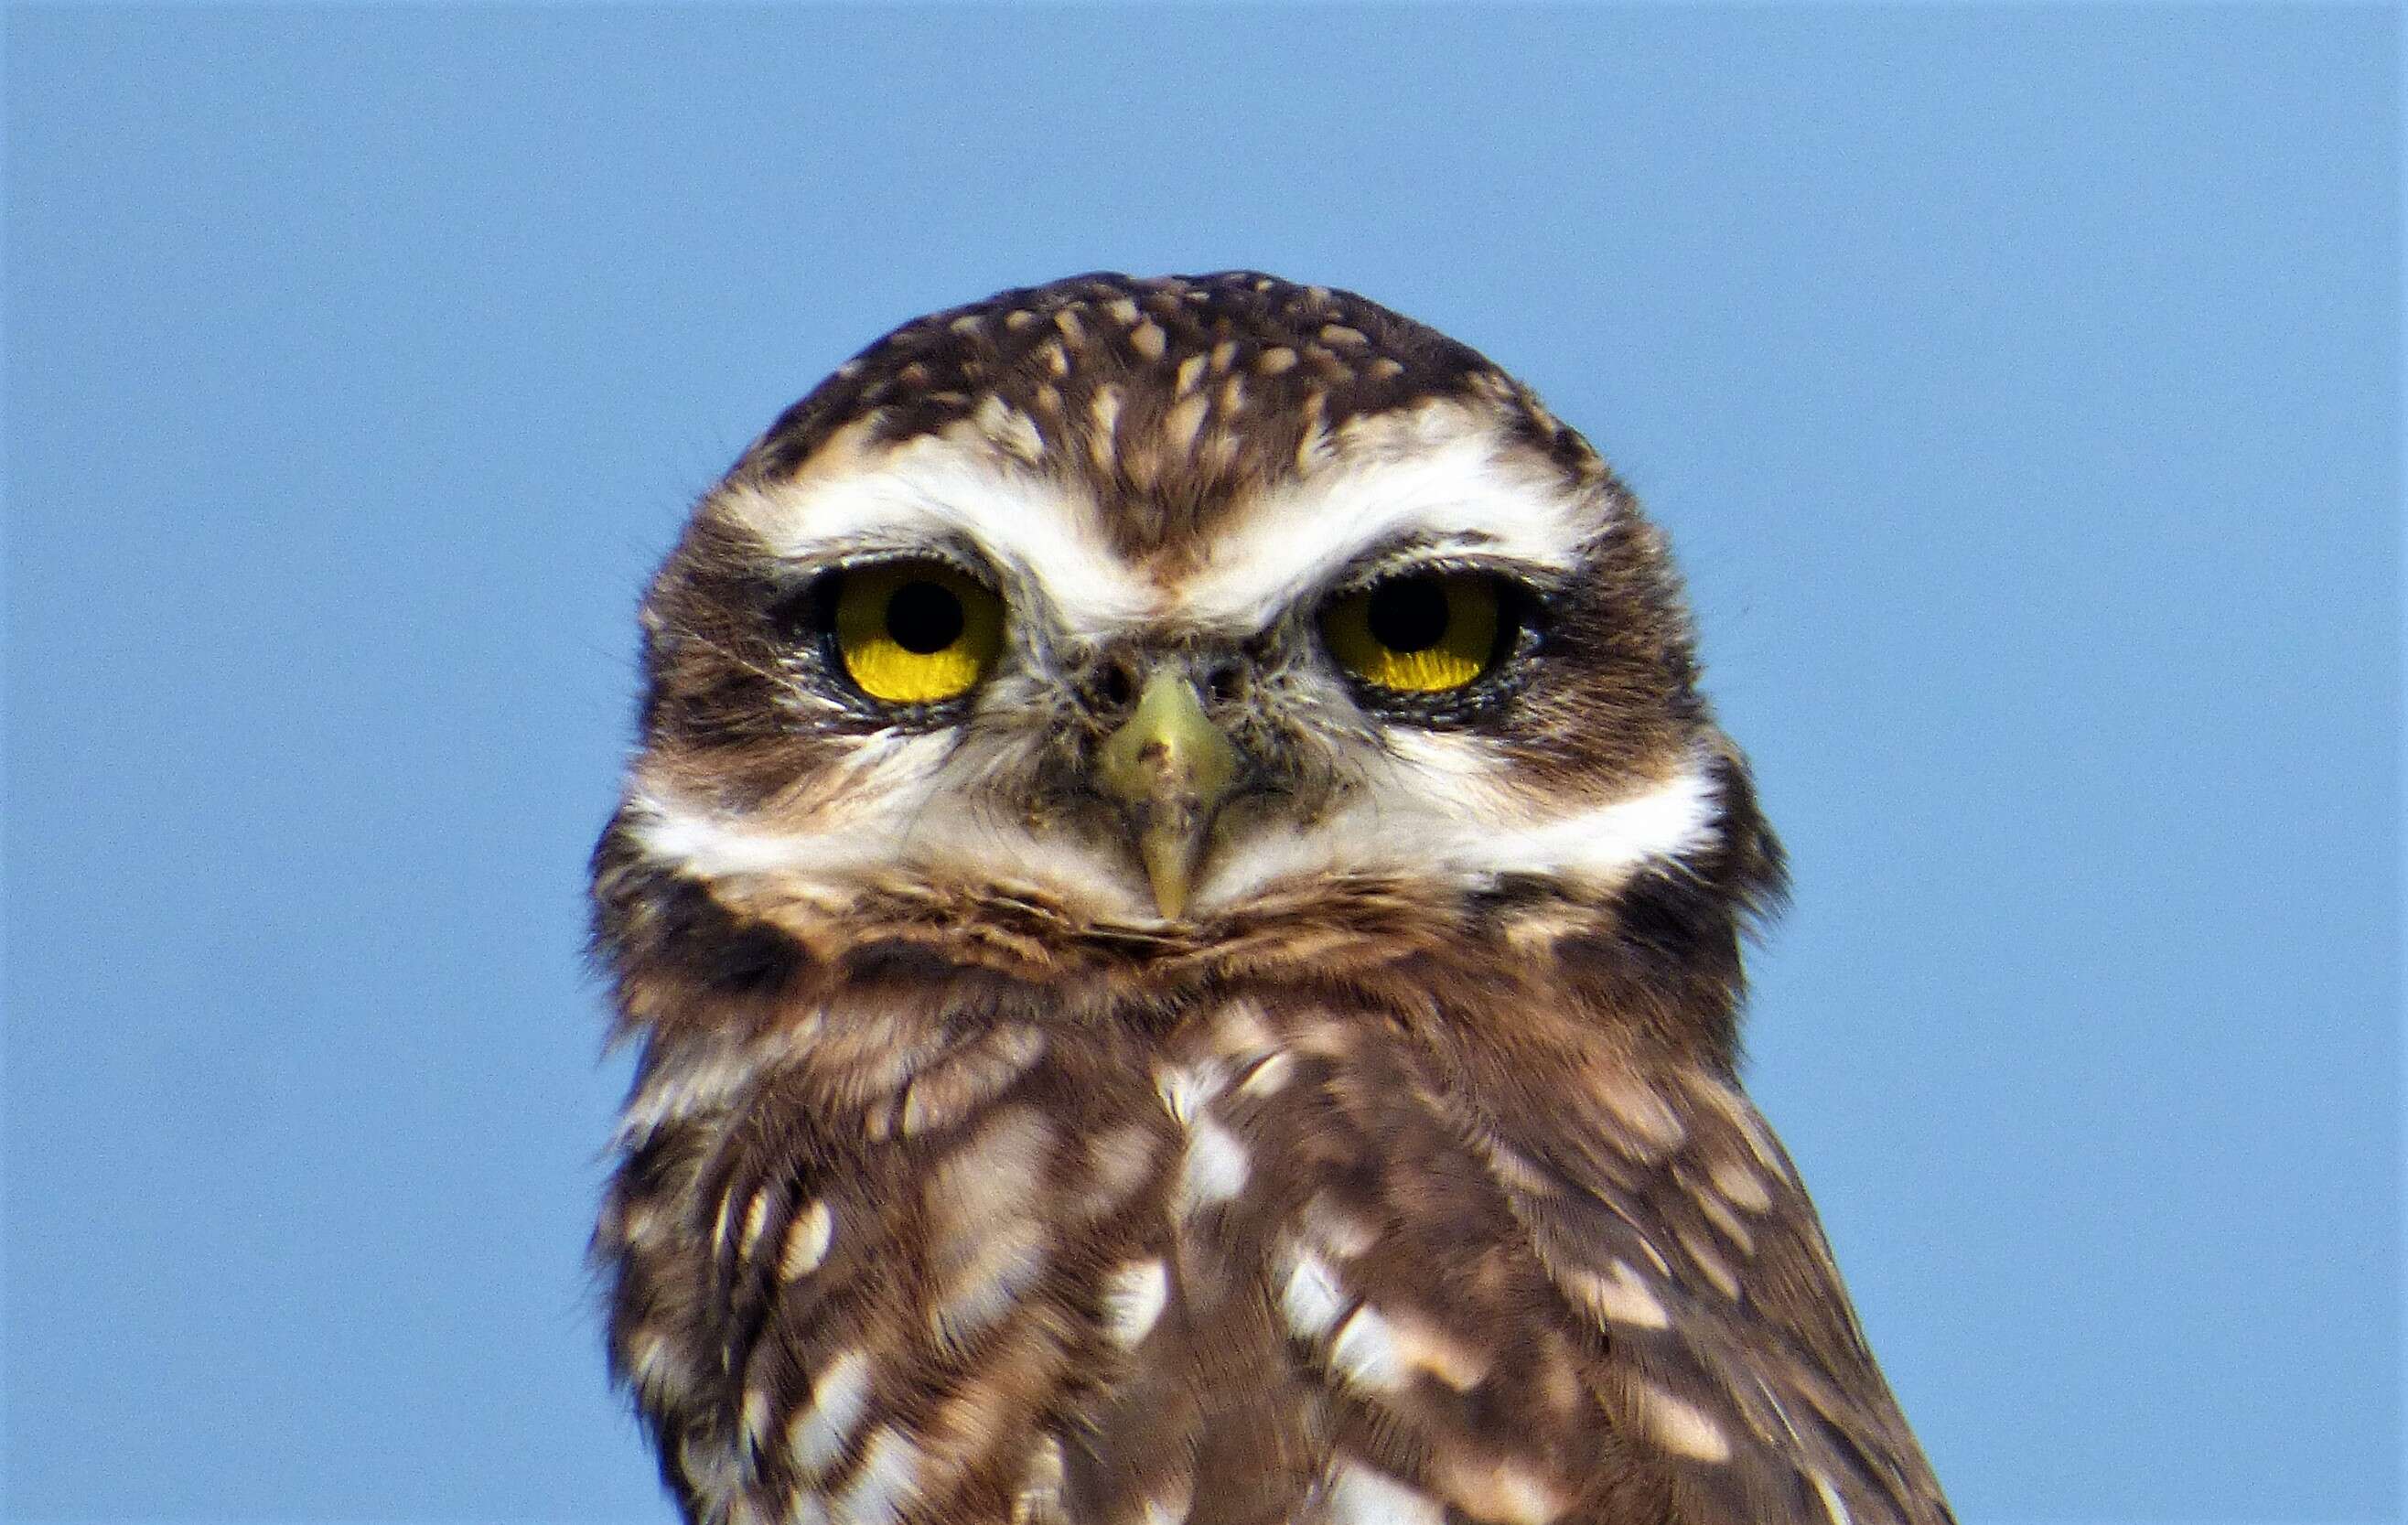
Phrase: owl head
[1131,625]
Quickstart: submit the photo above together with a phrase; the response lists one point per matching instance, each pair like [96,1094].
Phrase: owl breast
[1264,1257]
[1010,1271]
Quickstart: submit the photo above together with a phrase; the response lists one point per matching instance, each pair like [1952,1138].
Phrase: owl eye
[1419,632]
[915,632]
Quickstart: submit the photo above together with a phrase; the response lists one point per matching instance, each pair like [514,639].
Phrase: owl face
[1164,604]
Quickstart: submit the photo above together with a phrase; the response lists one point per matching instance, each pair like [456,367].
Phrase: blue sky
[2021,389]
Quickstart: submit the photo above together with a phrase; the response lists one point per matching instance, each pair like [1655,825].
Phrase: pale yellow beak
[1170,767]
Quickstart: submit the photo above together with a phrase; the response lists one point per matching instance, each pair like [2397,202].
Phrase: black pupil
[1408,614]
[924,617]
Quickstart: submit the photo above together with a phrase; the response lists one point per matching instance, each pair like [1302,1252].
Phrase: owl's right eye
[913,631]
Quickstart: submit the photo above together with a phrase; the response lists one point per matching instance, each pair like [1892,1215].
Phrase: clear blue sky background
[2021,387]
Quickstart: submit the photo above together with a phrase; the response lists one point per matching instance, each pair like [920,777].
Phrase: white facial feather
[861,810]
[1437,805]
[1457,492]
[1428,827]
[1437,829]
[933,489]
[1435,476]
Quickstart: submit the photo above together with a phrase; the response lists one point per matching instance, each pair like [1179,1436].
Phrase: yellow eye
[915,633]
[1422,633]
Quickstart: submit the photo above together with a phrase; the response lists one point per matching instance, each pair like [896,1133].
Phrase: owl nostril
[1118,685]
[1224,681]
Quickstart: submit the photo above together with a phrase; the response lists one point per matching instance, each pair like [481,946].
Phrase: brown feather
[945,1199]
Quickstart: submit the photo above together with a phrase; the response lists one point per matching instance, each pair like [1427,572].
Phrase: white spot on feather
[1366,1352]
[1718,1212]
[1835,1508]
[1709,1264]
[1742,1186]
[886,1484]
[1336,1230]
[1742,1115]
[1653,1125]
[1104,412]
[756,1215]
[755,1419]
[1038,1500]
[1682,1427]
[1270,1075]
[1619,1295]
[1167,1509]
[985,1288]
[1498,1490]
[1382,1353]
[1134,1300]
[1186,1089]
[1359,1495]
[1311,1297]
[984,1247]
[1242,1029]
[641,1225]
[1181,424]
[839,1393]
[1119,1162]
[1011,430]
[653,1368]
[807,1242]
[1427,1349]
[1215,1168]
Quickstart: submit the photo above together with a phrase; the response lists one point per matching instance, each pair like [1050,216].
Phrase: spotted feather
[1035,1125]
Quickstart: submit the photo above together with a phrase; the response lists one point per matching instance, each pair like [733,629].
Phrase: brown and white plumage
[1035,1123]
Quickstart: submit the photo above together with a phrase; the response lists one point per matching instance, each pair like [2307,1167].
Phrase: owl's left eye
[1420,633]
[914,631]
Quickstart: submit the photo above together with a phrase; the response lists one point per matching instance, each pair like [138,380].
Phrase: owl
[1181,908]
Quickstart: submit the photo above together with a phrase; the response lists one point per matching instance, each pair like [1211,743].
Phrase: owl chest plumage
[1262,1252]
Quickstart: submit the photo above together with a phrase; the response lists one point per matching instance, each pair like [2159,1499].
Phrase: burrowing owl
[1181,908]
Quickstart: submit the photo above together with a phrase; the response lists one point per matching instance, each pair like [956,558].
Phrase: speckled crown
[1170,395]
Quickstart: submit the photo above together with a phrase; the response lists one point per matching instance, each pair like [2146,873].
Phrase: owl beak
[1170,767]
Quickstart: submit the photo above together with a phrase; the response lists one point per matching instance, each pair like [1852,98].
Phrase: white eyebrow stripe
[933,488]
[1459,492]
